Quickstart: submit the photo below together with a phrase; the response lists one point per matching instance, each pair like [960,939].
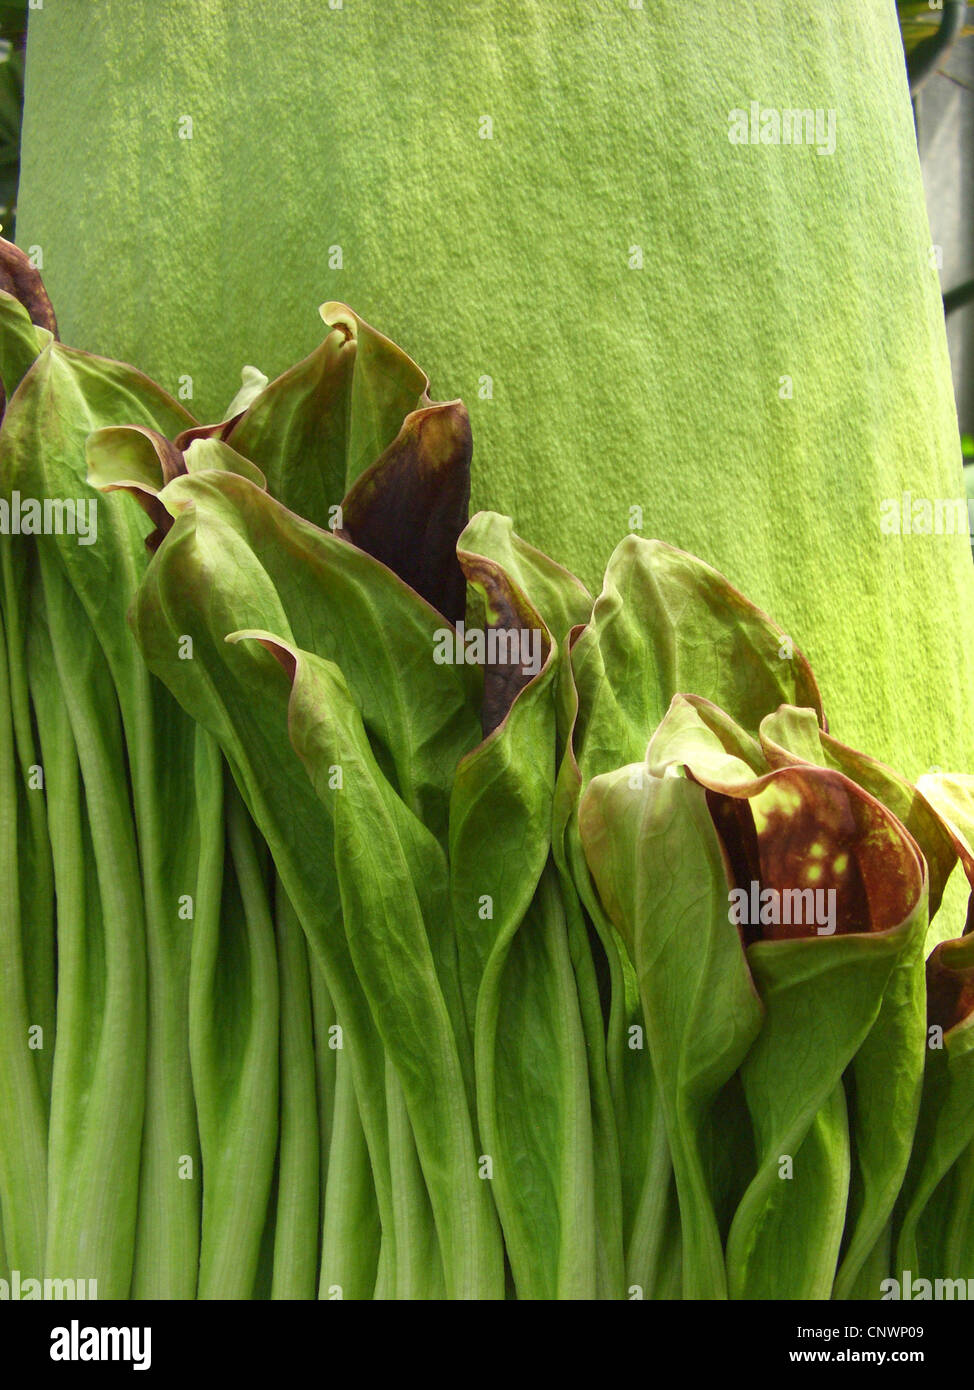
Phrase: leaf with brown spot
[849,995]
[521,587]
[664,623]
[809,829]
[792,735]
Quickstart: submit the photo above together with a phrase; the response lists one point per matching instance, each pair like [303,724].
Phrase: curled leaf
[952,797]
[790,736]
[252,382]
[19,277]
[656,862]
[950,983]
[519,635]
[141,462]
[316,428]
[810,835]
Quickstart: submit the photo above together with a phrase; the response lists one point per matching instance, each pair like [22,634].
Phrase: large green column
[744,340]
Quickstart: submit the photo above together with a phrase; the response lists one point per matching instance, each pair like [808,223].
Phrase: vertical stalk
[99,1067]
[298,1183]
[234,1048]
[23,1123]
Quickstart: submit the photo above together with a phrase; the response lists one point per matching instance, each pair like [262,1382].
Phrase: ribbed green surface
[612,387]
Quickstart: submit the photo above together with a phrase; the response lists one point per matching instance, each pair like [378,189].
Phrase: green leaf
[349,608]
[841,985]
[934,1223]
[20,342]
[664,623]
[560,599]
[202,583]
[952,796]
[252,382]
[527,975]
[141,461]
[149,788]
[234,559]
[392,878]
[656,861]
[315,429]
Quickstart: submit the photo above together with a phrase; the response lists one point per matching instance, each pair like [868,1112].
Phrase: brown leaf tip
[20,277]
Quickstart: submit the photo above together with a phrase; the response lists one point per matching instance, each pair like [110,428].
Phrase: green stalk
[655,1222]
[34,860]
[799,1269]
[958,1257]
[171,824]
[64,396]
[609,1215]
[23,1123]
[99,1067]
[355,1261]
[385,1274]
[577,1277]
[419,1265]
[324,1026]
[626,1082]
[651,1227]
[877,1266]
[298,1185]
[75,886]
[350,1236]
[233,1014]
[264,1278]
[527,1006]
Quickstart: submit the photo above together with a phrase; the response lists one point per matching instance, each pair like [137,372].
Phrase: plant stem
[296,1233]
